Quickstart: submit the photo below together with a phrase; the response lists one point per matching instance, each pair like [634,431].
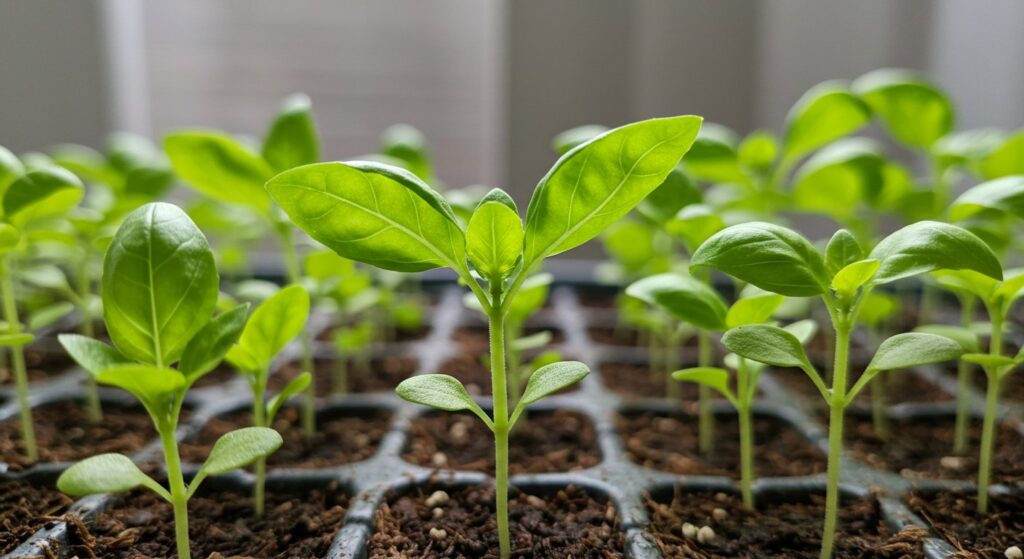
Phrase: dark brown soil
[40,365]
[902,387]
[342,437]
[670,443]
[636,381]
[788,529]
[468,367]
[557,441]
[596,300]
[63,433]
[622,336]
[401,335]
[477,339]
[923,448]
[25,509]
[568,524]
[141,526]
[1012,389]
[953,515]
[382,375]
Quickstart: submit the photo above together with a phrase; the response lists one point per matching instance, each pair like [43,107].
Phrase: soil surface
[64,434]
[25,509]
[221,525]
[777,530]
[468,367]
[923,448]
[623,336]
[39,365]
[400,334]
[901,388]
[379,375]
[1012,389]
[567,524]
[342,437]
[558,441]
[635,380]
[952,514]
[670,443]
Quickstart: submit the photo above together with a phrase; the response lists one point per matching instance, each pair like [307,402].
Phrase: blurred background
[488,81]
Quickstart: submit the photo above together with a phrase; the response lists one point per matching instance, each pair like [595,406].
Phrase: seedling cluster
[702,229]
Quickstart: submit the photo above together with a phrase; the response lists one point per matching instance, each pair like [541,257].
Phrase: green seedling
[998,297]
[159,290]
[389,218]
[878,308]
[273,325]
[779,260]
[229,171]
[29,198]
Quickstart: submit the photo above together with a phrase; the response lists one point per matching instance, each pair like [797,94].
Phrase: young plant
[877,309]
[28,197]
[387,217]
[227,170]
[782,261]
[159,291]
[998,297]
[272,326]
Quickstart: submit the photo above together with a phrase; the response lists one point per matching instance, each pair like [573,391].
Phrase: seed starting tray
[615,478]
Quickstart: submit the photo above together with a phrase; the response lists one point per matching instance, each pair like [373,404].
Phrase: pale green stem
[963,383]
[176,481]
[501,423]
[294,270]
[259,419]
[837,406]
[94,409]
[988,429]
[18,359]
[706,418]
[746,435]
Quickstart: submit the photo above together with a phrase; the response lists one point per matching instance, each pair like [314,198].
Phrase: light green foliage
[1004,194]
[407,145]
[273,324]
[914,111]
[1005,159]
[827,112]
[684,297]
[494,237]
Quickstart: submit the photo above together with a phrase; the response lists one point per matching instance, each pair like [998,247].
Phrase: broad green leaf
[494,240]
[292,139]
[550,379]
[930,245]
[153,386]
[767,344]
[598,182]
[443,392]
[827,112]
[968,148]
[14,340]
[967,282]
[841,251]
[533,341]
[631,244]
[759,150]
[1005,194]
[677,192]
[713,156]
[294,386]
[684,297]
[967,339]
[239,448]
[989,361]
[913,349]
[220,167]
[373,213]
[695,224]
[9,237]
[877,307]
[207,348]
[106,473]
[10,168]
[49,315]
[566,141]
[713,377]
[769,256]
[275,323]
[41,193]
[1011,288]
[848,280]
[841,178]
[914,111]
[92,355]
[1006,159]
[753,310]
[159,284]
[407,145]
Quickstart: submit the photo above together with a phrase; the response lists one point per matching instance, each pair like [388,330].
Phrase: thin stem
[259,419]
[94,409]
[294,271]
[837,406]
[988,429]
[746,435]
[28,433]
[501,420]
[706,419]
[963,383]
[179,495]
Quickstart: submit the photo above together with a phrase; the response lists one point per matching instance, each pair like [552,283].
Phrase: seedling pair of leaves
[228,170]
[387,217]
[998,298]
[159,290]
[782,261]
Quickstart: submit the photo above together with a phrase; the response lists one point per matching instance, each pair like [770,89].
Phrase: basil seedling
[225,169]
[782,261]
[159,291]
[272,326]
[389,218]
[28,199]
